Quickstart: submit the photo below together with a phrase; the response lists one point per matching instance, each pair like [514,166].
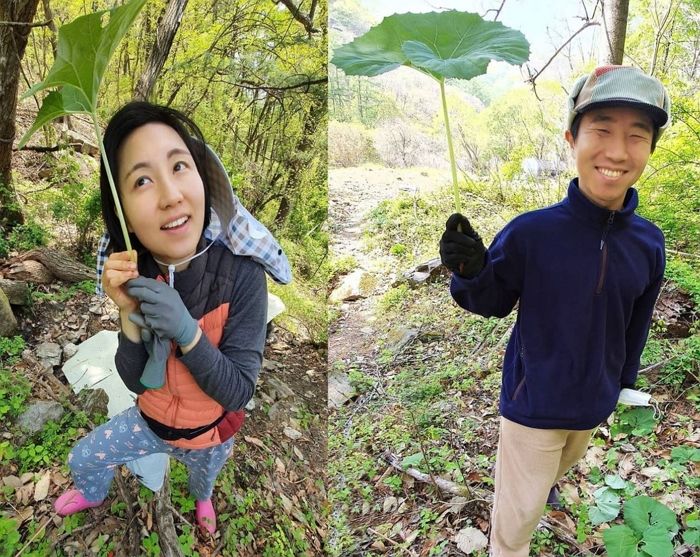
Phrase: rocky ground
[270,496]
[413,387]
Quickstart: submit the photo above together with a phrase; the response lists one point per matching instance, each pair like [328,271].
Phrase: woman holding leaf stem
[193,314]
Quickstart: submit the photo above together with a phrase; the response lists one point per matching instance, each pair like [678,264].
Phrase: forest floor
[415,383]
[270,497]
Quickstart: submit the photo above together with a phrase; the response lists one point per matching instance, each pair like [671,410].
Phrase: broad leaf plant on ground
[85,47]
[442,45]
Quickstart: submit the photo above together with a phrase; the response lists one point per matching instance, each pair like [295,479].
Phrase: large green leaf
[607,506]
[447,44]
[85,47]
[620,541]
[57,103]
[656,541]
[642,512]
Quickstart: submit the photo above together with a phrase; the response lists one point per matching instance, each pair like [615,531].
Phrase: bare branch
[23,24]
[586,25]
[269,88]
[305,20]
[498,11]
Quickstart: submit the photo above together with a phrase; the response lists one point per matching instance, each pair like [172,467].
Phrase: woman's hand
[119,268]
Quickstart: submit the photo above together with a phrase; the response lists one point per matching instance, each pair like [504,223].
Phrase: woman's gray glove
[164,312]
[153,376]
[163,317]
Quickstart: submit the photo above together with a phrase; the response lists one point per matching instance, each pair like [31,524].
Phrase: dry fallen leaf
[470,539]
[41,489]
[254,441]
[12,481]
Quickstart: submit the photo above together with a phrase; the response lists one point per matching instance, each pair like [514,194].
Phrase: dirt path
[353,194]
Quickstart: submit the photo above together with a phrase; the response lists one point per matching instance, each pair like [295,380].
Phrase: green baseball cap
[621,86]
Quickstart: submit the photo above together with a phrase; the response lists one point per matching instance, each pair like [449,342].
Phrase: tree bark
[167,28]
[61,265]
[615,25]
[13,41]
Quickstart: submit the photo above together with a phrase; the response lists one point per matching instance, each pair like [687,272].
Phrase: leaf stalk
[450,147]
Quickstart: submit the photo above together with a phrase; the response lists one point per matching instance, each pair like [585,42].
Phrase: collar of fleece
[585,209]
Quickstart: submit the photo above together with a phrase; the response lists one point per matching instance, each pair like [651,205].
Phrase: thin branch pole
[453,165]
[115,196]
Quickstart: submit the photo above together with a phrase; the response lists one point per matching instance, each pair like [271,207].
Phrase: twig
[683,253]
[26,24]
[392,542]
[564,535]
[498,11]
[30,540]
[443,484]
[658,364]
[586,25]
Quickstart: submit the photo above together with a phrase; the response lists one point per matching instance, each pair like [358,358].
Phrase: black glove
[461,248]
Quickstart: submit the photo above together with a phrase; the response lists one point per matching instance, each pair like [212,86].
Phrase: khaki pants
[528,463]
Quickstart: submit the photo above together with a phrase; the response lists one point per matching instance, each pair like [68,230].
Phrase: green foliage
[14,391]
[72,522]
[52,444]
[648,530]
[151,545]
[607,506]
[179,489]
[637,421]
[686,362]
[9,537]
[85,47]
[685,454]
[187,542]
[685,275]
[341,266]
[360,381]
[11,349]
[64,294]
[25,237]
[394,298]
[412,461]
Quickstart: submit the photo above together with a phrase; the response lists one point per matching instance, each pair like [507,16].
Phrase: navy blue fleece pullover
[587,279]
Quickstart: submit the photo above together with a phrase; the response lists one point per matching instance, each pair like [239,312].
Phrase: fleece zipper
[604,253]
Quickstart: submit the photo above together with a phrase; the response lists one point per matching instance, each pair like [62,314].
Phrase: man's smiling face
[611,150]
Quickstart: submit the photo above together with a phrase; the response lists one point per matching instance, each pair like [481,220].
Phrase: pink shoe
[72,502]
[206,517]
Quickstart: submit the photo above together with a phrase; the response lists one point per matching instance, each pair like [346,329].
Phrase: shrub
[27,236]
[349,144]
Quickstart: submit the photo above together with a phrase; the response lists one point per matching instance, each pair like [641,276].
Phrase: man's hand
[461,248]
[163,310]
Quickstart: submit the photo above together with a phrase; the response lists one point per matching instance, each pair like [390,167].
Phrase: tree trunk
[13,41]
[167,28]
[615,26]
[61,265]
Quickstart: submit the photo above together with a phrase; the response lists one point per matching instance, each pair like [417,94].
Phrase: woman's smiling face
[162,192]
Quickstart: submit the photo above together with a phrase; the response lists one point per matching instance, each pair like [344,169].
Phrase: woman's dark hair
[576,124]
[127,119]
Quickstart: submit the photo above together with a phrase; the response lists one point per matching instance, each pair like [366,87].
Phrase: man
[586,273]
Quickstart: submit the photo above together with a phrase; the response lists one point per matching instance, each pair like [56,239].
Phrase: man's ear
[569,138]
